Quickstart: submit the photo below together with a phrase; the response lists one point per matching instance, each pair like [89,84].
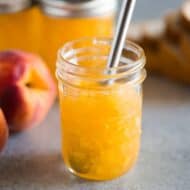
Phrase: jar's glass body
[19,30]
[58,29]
[100,114]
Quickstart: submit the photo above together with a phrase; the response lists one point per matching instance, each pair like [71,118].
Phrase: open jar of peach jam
[100,112]
[66,20]
[18,27]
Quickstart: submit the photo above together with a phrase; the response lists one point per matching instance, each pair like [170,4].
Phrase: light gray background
[32,159]
[151,9]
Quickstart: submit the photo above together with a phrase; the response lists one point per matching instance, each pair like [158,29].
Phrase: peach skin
[27,90]
[3,131]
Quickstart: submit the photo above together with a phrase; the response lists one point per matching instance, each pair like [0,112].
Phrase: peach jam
[101,108]
[18,29]
[66,20]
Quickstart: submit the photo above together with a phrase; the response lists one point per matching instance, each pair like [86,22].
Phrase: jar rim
[10,6]
[64,65]
[88,8]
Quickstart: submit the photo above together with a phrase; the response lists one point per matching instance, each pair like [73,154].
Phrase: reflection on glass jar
[100,112]
[67,20]
[18,26]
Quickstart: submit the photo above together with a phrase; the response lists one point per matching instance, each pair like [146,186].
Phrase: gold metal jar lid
[77,8]
[12,6]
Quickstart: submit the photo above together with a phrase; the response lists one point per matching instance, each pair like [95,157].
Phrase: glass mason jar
[100,108]
[67,20]
[18,26]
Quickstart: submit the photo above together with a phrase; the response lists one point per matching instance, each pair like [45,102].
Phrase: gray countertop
[32,159]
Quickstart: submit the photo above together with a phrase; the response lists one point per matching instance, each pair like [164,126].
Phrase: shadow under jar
[100,112]
[66,20]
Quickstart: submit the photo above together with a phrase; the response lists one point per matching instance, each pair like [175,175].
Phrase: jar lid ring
[10,6]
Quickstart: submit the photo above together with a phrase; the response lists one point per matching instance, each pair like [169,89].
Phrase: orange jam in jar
[18,27]
[66,20]
[100,112]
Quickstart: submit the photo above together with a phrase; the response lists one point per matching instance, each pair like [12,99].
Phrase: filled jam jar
[101,108]
[18,25]
[66,20]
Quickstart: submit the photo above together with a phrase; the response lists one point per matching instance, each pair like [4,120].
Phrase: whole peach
[27,90]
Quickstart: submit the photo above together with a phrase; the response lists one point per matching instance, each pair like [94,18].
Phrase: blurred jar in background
[67,20]
[18,26]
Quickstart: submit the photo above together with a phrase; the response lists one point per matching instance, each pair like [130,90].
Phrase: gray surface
[32,159]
